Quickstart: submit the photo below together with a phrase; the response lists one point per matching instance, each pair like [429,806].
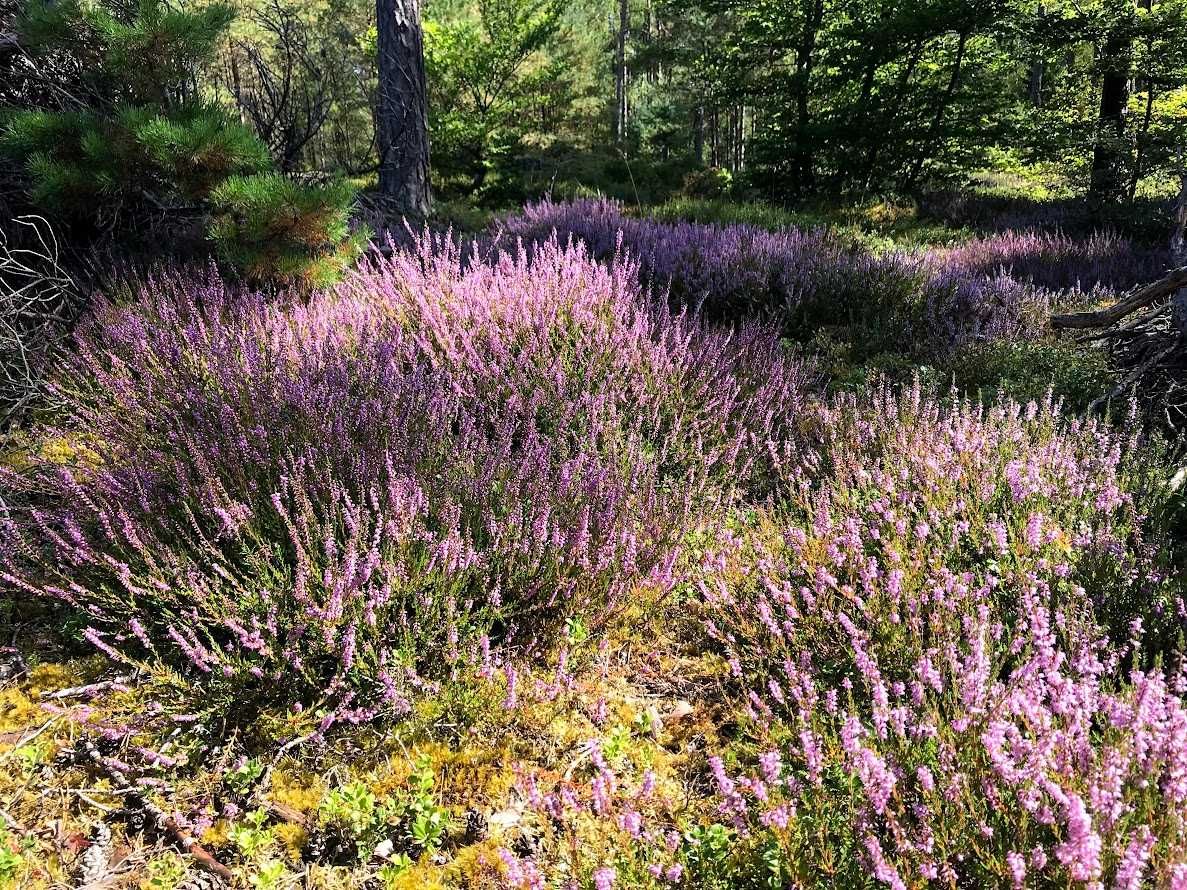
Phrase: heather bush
[1101,260]
[944,656]
[806,279]
[993,288]
[350,493]
[959,309]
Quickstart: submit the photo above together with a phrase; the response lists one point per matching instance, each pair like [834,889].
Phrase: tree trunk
[698,138]
[620,74]
[804,64]
[401,116]
[1038,68]
[890,117]
[1179,252]
[714,140]
[1107,155]
[1140,141]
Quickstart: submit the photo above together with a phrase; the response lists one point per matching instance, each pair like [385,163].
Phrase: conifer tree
[139,137]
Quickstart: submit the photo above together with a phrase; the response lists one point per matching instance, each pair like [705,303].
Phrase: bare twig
[38,300]
[89,689]
[1134,376]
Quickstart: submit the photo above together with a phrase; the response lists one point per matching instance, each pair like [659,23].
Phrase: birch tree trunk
[401,114]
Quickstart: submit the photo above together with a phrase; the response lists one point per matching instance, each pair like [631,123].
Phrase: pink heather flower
[510,700]
[604,878]
[631,822]
[92,636]
[998,532]
[813,758]
[883,870]
[1017,865]
[725,785]
[1080,853]
[1038,859]
[1133,862]
[600,790]
[1179,876]
[674,873]
[648,784]
[511,864]
[771,764]
[777,817]
[1034,531]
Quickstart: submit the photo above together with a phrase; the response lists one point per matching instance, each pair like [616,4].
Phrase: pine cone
[328,847]
[12,665]
[476,828]
[201,880]
[94,861]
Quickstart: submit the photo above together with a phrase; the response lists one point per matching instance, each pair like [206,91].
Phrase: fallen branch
[1102,318]
[162,819]
[89,689]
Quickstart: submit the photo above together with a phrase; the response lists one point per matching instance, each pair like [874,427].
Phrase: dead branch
[163,820]
[1140,299]
[1134,376]
[38,301]
[89,689]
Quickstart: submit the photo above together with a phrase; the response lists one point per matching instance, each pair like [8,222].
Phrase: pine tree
[139,137]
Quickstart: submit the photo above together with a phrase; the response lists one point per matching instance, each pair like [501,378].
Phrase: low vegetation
[744,453]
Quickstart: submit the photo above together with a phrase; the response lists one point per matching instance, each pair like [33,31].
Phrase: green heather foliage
[275,229]
[1027,369]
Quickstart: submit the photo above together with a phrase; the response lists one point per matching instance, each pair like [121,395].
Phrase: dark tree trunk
[714,144]
[621,108]
[1107,154]
[1038,68]
[1179,253]
[1143,136]
[698,139]
[401,116]
[804,63]
[890,117]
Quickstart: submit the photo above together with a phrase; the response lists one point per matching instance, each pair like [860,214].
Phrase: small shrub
[1026,370]
[711,183]
[724,213]
[274,229]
